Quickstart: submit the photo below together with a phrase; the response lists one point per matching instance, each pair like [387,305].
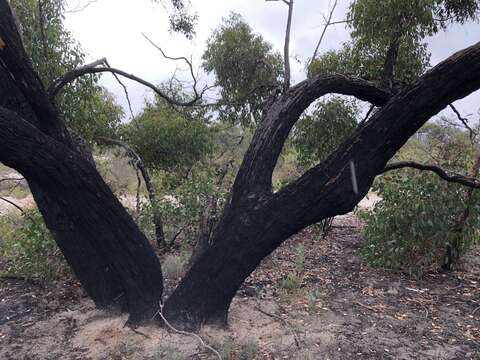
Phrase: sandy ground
[343,309]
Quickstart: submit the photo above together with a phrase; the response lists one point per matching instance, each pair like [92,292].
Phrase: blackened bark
[97,278]
[107,251]
[100,223]
[257,221]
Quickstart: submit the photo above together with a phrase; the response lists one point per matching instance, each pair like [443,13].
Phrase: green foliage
[167,140]
[173,266]
[85,106]
[376,24]
[415,225]
[371,19]
[366,59]
[246,69]
[166,352]
[182,200]
[28,248]
[410,229]
[181,19]
[293,282]
[321,132]
[247,349]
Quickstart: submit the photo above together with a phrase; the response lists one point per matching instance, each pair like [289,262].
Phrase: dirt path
[342,309]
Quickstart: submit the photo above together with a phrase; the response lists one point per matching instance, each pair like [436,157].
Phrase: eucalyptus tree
[246,68]
[113,259]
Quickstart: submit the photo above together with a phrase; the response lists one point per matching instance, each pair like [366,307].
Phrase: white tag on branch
[353,177]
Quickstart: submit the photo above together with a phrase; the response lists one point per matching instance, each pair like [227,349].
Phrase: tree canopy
[246,68]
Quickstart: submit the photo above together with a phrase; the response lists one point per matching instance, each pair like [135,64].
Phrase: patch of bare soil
[341,309]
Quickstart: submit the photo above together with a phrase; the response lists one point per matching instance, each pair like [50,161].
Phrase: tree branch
[286,50]
[70,76]
[286,47]
[327,24]
[12,203]
[255,175]
[326,190]
[444,174]
[12,179]
[181,58]
[464,121]
[152,195]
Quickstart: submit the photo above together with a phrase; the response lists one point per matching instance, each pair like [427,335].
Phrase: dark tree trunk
[110,256]
[107,239]
[257,221]
[97,278]
[107,292]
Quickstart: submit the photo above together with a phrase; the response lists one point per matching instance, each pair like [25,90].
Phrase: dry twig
[186,333]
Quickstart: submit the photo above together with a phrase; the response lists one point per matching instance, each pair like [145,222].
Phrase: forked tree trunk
[257,221]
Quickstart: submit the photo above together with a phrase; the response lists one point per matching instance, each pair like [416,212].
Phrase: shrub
[412,228]
[248,349]
[172,266]
[28,248]
[181,203]
[293,282]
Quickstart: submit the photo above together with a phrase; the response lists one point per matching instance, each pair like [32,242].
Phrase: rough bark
[257,221]
[99,220]
[106,250]
[107,292]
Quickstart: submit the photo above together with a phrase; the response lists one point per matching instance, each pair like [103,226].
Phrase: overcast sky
[112,29]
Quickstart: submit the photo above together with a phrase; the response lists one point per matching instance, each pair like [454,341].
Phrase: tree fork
[257,221]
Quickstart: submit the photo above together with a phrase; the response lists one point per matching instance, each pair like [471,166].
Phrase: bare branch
[139,165]
[125,90]
[11,203]
[327,24]
[340,22]
[286,50]
[181,332]
[464,121]
[70,76]
[12,179]
[444,174]
[80,7]
[369,112]
[182,58]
